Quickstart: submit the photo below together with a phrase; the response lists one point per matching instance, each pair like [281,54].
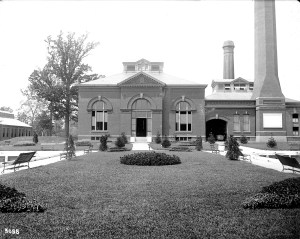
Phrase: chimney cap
[228,44]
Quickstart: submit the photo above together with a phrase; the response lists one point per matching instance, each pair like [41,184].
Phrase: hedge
[150,159]
[283,194]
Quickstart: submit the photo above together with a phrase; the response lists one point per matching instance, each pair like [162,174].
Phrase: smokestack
[266,82]
[228,68]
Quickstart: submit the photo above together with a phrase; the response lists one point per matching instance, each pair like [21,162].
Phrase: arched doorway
[141,118]
[218,128]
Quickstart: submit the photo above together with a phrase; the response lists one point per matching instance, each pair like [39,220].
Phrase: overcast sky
[186,35]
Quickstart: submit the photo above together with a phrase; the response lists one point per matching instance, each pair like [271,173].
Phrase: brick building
[143,100]
[140,102]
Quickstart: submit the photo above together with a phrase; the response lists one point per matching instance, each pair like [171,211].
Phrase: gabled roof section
[141,79]
[229,81]
[230,96]
[240,79]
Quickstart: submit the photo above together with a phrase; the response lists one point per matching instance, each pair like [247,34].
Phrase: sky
[186,35]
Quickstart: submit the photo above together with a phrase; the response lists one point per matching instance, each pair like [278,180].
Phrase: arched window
[141,104]
[183,117]
[99,116]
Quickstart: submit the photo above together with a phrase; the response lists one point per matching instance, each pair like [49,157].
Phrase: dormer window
[155,68]
[239,86]
[251,86]
[130,68]
[227,87]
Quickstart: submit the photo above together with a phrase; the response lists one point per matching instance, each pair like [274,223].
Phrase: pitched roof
[114,80]
[12,122]
[230,96]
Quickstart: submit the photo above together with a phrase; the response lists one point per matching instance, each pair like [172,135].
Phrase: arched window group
[99,116]
[183,117]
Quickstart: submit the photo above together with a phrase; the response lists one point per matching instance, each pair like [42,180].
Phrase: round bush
[150,159]
[271,143]
[243,139]
[272,200]
[166,143]
[120,142]
[13,201]
[290,186]
[283,194]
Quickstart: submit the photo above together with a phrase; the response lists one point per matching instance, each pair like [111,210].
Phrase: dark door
[141,127]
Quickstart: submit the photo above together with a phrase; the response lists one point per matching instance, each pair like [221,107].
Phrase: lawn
[94,196]
[58,141]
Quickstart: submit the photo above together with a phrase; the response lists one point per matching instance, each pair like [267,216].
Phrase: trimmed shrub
[211,139]
[199,146]
[271,143]
[120,142]
[35,138]
[124,138]
[181,149]
[116,149]
[103,143]
[150,159]
[272,200]
[24,143]
[166,143]
[283,194]
[157,139]
[243,139]
[233,151]
[83,143]
[20,204]
[286,187]
[13,201]
[8,192]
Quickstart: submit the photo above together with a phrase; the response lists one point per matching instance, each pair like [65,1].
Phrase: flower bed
[150,159]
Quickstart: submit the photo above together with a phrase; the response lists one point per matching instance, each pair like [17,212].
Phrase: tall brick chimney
[270,102]
[266,82]
[228,67]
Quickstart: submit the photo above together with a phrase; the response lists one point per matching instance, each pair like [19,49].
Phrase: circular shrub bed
[150,159]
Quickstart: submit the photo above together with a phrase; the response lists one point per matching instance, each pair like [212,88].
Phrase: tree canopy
[56,82]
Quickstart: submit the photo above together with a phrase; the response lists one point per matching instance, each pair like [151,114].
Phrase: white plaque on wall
[272,120]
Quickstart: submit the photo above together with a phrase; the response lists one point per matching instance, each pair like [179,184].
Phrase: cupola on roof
[143,65]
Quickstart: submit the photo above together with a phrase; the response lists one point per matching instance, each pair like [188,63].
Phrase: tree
[103,143]
[30,108]
[70,147]
[199,146]
[233,151]
[6,108]
[65,61]
[44,123]
[46,86]
[157,138]
[35,138]
[271,142]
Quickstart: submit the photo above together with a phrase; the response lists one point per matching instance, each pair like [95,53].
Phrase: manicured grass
[58,141]
[94,196]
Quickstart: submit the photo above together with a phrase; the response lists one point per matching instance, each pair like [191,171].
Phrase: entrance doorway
[141,127]
[218,128]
